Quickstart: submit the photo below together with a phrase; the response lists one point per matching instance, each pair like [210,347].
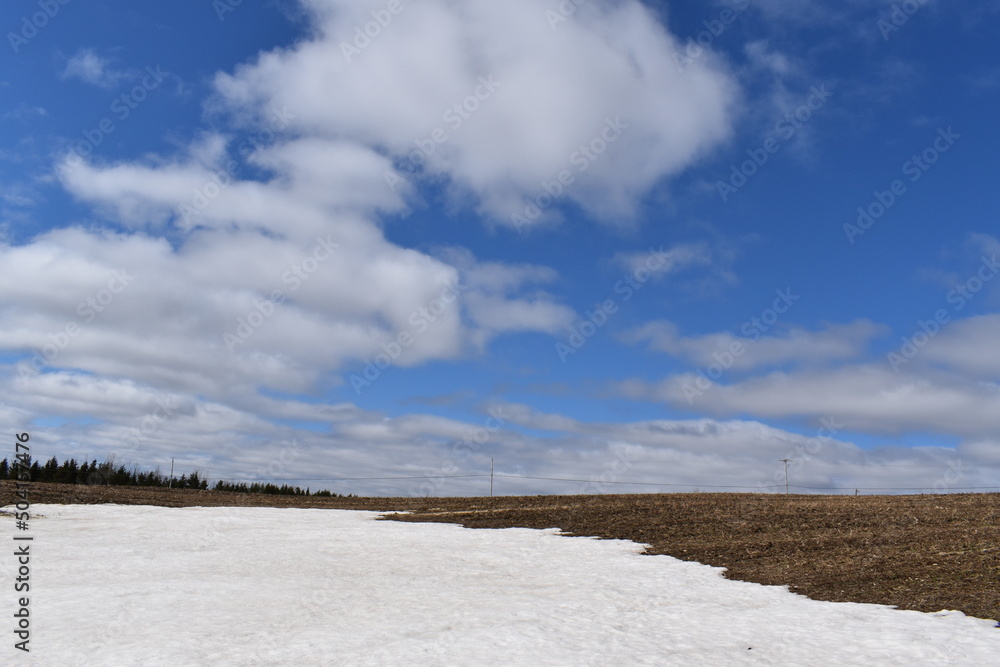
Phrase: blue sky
[772,235]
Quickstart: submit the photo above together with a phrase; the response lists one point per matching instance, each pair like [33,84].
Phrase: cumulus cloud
[253,262]
[249,301]
[496,101]
[490,288]
[231,311]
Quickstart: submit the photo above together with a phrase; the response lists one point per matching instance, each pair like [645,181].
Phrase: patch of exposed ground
[927,553]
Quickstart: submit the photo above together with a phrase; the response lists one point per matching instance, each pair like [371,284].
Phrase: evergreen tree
[49,471]
[67,472]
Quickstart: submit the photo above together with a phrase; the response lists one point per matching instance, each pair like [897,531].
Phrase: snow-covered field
[115,585]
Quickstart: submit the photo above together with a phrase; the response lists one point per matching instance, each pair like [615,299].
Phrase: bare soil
[926,552]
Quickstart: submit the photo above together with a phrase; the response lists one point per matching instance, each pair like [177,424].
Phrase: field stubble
[926,552]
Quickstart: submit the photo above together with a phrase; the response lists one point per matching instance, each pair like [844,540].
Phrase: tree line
[112,473]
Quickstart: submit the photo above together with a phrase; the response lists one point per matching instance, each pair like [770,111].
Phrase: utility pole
[785,461]
[171,484]
[491,478]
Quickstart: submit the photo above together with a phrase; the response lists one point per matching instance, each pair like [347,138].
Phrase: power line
[551,479]
[936,464]
[598,481]
[603,482]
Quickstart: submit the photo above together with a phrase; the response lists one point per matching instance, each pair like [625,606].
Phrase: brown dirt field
[927,553]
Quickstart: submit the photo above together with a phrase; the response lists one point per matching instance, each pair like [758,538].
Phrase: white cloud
[129,327]
[778,64]
[490,287]
[864,397]
[553,92]
[168,325]
[325,177]
[24,113]
[89,67]
[988,245]
[984,451]
[17,195]
[968,345]
[676,258]
[835,342]
[150,427]
[715,259]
